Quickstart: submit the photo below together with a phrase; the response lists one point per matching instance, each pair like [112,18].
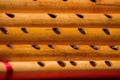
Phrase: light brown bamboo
[54,66]
[52,69]
[69,36]
[60,20]
[59,52]
[60,6]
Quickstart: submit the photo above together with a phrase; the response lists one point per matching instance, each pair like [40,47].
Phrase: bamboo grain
[60,52]
[69,36]
[52,69]
[60,6]
[60,20]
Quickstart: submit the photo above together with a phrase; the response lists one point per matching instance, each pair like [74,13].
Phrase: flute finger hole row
[55,30]
[76,47]
[11,15]
[73,63]
[94,64]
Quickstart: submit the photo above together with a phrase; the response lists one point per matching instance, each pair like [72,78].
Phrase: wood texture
[60,6]
[52,69]
[60,20]
[60,52]
[69,36]
[62,38]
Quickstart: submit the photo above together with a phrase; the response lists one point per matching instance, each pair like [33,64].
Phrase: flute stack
[59,39]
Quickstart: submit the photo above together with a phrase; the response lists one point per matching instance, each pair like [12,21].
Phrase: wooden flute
[62,36]
[58,52]
[59,39]
[59,69]
[59,20]
[60,6]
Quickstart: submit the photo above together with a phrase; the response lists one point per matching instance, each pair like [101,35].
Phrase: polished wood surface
[60,6]
[69,36]
[59,52]
[60,20]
